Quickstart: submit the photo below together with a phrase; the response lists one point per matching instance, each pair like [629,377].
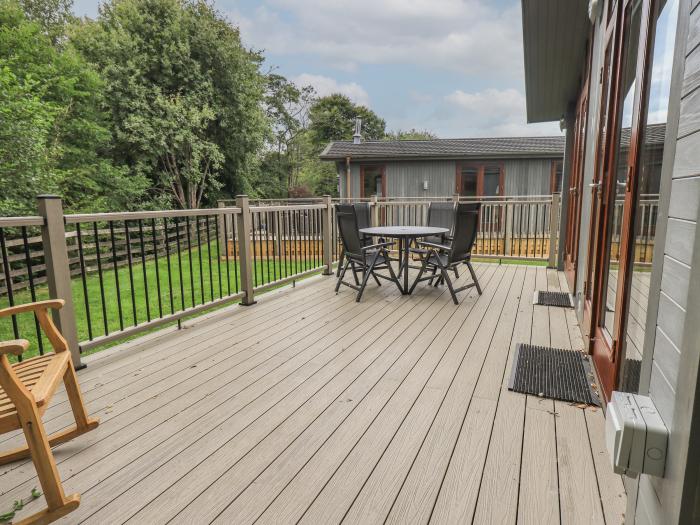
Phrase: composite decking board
[109,463]
[122,374]
[339,493]
[286,468]
[498,491]
[160,408]
[222,476]
[454,448]
[309,480]
[221,423]
[578,486]
[452,383]
[538,500]
[317,431]
[176,384]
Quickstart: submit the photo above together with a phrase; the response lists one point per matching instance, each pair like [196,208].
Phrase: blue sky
[453,67]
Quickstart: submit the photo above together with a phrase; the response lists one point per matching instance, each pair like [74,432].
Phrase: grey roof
[495,147]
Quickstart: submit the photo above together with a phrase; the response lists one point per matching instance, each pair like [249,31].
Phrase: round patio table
[404,234]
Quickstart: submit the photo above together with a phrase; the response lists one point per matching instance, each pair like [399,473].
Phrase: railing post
[53,236]
[508,248]
[246,264]
[455,197]
[553,229]
[375,210]
[328,235]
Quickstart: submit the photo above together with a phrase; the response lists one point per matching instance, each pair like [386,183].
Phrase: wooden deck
[309,407]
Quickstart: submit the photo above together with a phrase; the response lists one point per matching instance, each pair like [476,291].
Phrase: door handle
[595,185]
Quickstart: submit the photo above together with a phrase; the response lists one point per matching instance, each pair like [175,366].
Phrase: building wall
[671,377]
[405,178]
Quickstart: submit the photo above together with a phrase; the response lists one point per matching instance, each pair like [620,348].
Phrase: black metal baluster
[115,265]
[8,282]
[32,290]
[234,237]
[228,270]
[199,251]
[84,280]
[189,252]
[211,276]
[131,271]
[267,244]
[155,260]
[218,254]
[143,270]
[99,275]
[255,257]
[179,266]
[170,271]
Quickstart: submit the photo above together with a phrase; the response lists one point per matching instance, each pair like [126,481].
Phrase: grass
[203,279]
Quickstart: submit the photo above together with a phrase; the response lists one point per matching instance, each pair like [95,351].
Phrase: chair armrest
[378,245]
[15,347]
[56,304]
[434,246]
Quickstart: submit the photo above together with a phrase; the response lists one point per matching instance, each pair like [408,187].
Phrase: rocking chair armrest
[56,304]
[435,246]
[15,346]
[378,245]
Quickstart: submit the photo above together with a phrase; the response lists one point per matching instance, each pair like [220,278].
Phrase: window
[480,180]
[557,172]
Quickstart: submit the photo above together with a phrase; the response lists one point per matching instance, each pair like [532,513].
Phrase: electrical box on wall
[425,184]
[635,434]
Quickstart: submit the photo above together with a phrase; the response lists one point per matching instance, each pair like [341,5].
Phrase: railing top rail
[16,222]
[135,215]
[290,207]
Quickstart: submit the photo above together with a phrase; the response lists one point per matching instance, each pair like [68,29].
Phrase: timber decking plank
[339,493]
[223,476]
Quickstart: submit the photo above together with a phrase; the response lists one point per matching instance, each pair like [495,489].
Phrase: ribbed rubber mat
[553,299]
[553,373]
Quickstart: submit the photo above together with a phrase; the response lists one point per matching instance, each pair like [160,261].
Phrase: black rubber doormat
[553,373]
[553,299]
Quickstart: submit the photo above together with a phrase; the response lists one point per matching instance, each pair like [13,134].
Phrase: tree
[411,134]
[55,135]
[184,94]
[333,118]
[52,16]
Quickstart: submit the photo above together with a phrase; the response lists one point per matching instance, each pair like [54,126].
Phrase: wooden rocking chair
[25,391]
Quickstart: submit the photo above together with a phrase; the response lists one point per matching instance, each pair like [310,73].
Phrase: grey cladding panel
[680,236]
[692,72]
[666,357]
[675,279]
[690,114]
[687,161]
[405,179]
[694,30]
[662,394]
[671,319]
[685,194]
[528,177]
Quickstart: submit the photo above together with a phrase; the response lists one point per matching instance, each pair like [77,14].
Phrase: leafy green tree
[52,16]
[333,118]
[411,134]
[55,135]
[184,94]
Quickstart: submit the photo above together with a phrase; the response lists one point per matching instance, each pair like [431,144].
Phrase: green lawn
[199,283]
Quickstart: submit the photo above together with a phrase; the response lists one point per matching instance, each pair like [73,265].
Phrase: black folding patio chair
[441,215]
[445,257]
[358,257]
[364,220]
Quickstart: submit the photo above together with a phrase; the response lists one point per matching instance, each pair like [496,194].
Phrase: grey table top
[404,231]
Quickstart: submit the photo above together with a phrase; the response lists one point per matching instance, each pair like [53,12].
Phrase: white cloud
[470,36]
[327,86]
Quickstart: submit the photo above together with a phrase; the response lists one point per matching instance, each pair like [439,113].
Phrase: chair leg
[38,444]
[340,263]
[367,271]
[446,278]
[456,272]
[83,422]
[391,271]
[420,274]
[473,274]
[342,275]
[376,279]
[354,272]
[430,282]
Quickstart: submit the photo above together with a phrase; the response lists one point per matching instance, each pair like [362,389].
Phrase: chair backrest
[348,229]
[441,215]
[363,214]
[466,226]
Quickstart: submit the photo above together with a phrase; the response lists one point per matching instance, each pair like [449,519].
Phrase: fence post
[375,210]
[455,198]
[53,236]
[553,229]
[245,262]
[328,235]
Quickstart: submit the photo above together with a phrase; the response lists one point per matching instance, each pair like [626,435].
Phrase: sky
[452,67]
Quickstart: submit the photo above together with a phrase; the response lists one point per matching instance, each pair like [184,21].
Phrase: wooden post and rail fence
[124,273]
